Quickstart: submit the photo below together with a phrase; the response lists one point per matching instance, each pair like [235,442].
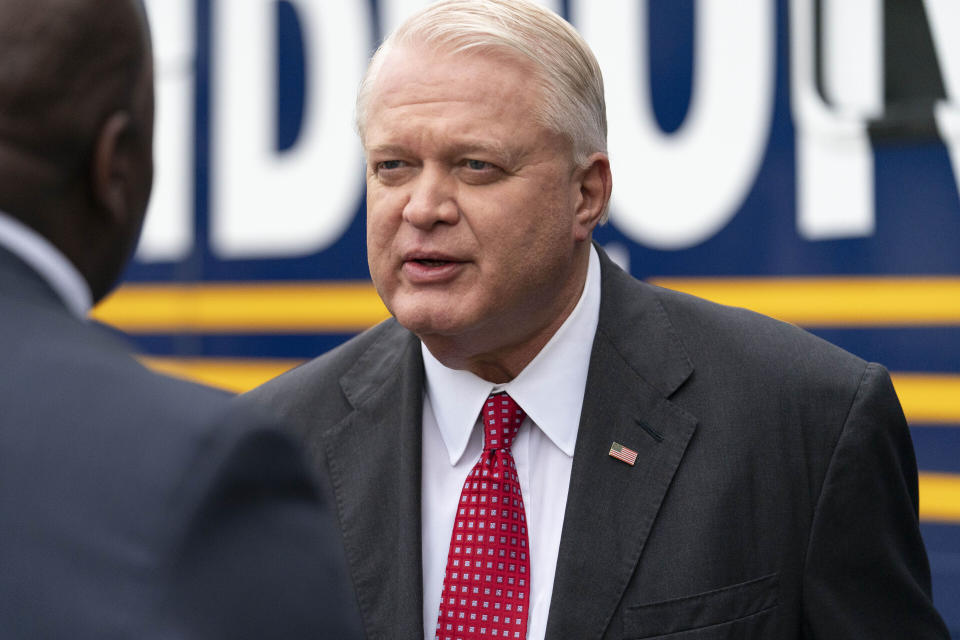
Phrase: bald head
[66,65]
[76,127]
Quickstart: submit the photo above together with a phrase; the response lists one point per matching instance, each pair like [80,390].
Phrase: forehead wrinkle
[478,127]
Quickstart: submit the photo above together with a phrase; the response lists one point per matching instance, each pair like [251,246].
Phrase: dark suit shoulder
[337,381]
[744,376]
[113,476]
[674,340]
[748,337]
[76,402]
[773,366]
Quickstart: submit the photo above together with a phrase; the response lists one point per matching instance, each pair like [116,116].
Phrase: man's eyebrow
[504,154]
[387,149]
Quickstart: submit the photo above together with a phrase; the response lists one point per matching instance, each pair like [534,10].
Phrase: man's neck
[495,361]
[504,363]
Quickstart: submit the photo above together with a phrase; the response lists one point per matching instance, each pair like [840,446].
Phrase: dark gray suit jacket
[774,495]
[137,506]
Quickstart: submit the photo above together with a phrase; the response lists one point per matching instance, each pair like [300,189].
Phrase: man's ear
[595,183]
[113,166]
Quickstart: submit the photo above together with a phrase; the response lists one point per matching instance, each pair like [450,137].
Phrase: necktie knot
[502,418]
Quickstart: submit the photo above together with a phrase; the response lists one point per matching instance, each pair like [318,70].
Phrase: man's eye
[478,165]
[388,165]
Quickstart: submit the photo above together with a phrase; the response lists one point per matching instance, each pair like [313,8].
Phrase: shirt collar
[48,262]
[550,389]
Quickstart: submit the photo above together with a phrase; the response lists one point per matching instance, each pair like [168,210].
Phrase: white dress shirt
[550,390]
[46,260]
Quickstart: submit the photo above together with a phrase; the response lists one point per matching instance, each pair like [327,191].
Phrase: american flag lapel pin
[623,454]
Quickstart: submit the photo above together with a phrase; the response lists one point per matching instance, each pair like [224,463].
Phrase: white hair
[571,84]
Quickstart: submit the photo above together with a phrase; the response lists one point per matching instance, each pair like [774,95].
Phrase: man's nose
[432,199]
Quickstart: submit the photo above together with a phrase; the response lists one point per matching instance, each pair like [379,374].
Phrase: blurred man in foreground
[539,446]
[131,505]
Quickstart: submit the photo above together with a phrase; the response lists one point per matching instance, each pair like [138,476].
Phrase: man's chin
[427,325]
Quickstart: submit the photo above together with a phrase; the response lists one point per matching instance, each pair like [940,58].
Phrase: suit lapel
[636,364]
[374,460]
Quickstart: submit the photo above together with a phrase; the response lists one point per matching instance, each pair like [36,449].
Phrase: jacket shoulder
[673,338]
[335,380]
[743,337]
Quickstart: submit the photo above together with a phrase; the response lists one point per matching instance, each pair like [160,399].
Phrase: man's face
[472,232]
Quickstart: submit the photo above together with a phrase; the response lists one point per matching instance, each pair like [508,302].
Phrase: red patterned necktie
[486,587]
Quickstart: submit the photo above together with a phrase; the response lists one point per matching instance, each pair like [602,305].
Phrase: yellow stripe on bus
[340,307]
[869,301]
[940,497]
[233,374]
[929,398]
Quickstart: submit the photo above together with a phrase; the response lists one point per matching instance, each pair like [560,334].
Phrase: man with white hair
[537,445]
